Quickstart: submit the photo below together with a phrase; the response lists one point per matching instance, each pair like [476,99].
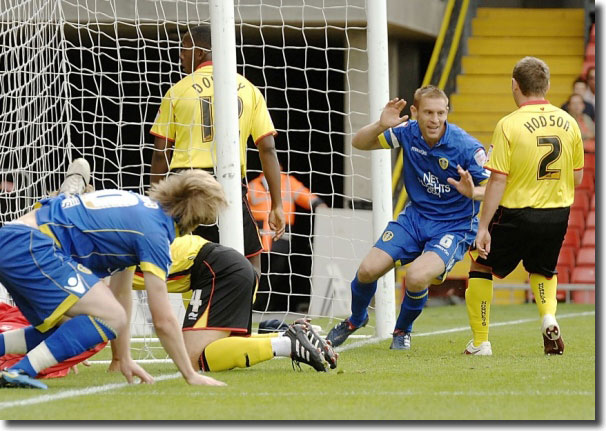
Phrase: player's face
[431,115]
[186,55]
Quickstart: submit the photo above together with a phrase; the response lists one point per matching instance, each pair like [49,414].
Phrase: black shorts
[531,235]
[252,239]
[223,283]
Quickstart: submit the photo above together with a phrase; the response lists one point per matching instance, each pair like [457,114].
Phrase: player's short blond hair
[430,91]
[532,75]
[191,197]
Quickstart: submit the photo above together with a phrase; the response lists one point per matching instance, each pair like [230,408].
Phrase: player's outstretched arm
[492,198]
[169,330]
[121,286]
[367,137]
[271,170]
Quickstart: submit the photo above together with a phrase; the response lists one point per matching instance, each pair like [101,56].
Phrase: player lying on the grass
[438,224]
[218,317]
[54,259]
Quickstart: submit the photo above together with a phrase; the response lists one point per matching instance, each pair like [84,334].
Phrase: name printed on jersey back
[540,121]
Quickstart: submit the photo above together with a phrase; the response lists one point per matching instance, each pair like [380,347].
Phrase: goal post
[85,79]
[382,205]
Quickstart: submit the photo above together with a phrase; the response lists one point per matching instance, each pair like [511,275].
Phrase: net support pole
[226,128]
[378,89]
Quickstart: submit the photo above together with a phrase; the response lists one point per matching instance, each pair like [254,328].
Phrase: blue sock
[361,294]
[411,307]
[70,339]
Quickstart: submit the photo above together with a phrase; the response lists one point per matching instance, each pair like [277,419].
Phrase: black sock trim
[479,274]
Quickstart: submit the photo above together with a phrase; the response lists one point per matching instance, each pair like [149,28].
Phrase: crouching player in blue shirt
[54,257]
[439,223]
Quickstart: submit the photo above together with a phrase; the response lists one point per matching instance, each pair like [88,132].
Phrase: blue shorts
[43,281]
[412,234]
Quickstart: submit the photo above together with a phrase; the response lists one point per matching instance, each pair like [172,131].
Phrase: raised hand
[390,117]
[465,185]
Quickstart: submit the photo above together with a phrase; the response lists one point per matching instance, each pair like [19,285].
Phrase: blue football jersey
[109,230]
[425,169]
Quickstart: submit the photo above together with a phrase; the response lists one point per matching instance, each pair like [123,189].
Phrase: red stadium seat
[588,183]
[563,274]
[589,163]
[567,258]
[572,239]
[590,52]
[592,203]
[589,145]
[588,239]
[581,200]
[583,275]
[586,256]
[563,278]
[576,220]
[590,222]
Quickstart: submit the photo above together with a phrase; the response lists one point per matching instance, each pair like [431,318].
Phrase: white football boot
[76,178]
[484,349]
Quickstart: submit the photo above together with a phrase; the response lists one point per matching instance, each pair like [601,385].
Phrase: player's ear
[413,112]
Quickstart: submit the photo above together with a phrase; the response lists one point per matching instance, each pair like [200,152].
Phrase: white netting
[83,78]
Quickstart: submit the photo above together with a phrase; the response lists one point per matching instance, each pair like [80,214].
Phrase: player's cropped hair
[190,197]
[200,36]
[532,76]
[428,91]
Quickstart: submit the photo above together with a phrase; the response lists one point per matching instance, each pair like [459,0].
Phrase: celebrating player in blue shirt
[55,256]
[438,224]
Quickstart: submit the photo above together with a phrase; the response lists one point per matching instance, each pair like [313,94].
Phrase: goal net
[85,79]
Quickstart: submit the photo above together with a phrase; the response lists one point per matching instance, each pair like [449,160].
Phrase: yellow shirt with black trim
[183,250]
[538,147]
[186,117]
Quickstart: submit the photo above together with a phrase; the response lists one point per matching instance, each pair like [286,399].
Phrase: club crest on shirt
[387,235]
[443,162]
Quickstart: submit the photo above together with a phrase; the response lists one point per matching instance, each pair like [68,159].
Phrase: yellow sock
[478,297]
[237,352]
[545,290]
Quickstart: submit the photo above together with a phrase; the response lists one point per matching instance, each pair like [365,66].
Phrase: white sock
[281,346]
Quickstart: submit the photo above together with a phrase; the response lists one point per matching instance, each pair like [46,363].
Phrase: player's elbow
[163,324]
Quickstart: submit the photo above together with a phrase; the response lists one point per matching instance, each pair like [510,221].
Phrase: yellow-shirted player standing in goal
[184,135]
[536,160]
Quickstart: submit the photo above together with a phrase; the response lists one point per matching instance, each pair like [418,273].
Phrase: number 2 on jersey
[544,173]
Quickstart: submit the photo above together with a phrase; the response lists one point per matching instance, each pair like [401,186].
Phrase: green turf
[433,381]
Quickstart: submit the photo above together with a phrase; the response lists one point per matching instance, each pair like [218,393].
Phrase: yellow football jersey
[186,118]
[183,251]
[538,147]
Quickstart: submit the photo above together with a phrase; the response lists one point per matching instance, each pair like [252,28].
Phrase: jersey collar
[535,102]
[206,63]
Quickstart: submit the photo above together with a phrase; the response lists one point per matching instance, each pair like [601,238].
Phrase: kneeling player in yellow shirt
[219,285]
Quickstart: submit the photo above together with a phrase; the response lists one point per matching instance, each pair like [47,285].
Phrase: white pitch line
[76,393]
[96,389]
[373,340]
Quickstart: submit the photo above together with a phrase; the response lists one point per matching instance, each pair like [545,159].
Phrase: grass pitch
[432,381]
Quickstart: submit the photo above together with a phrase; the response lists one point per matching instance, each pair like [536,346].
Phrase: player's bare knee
[366,273]
[416,281]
